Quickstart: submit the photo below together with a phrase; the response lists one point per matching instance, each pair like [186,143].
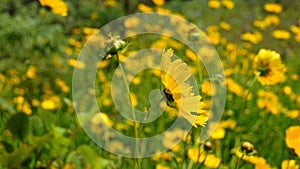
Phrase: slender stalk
[238,161]
[249,91]
[138,162]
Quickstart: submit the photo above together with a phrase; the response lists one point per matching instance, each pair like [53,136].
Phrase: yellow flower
[196,155]
[212,161]
[273,7]
[234,87]
[292,138]
[214,4]
[293,114]
[289,164]
[268,67]
[225,26]
[31,72]
[228,4]
[48,105]
[272,20]
[110,3]
[57,6]
[281,34]
[178,93]
[97,125]
[158,2]
[159,166]
[269,101]
[144,8]
[254,37]
[219,133]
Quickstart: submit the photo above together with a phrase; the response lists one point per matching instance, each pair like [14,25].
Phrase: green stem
[249,91]
[138,162]
[238,161]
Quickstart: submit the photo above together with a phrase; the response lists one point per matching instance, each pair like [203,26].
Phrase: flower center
[168,95]
[263,70]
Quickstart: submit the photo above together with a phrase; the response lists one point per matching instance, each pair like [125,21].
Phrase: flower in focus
[273,7]
[57,6]
[289,164]
[281,34]
[292,139]
[268,67]
[178,93]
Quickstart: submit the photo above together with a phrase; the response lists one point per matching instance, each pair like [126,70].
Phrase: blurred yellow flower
[287,90]
[99,122]
[158,2]
[273,7]
[268,67]
[131,22]
[31,72]
[76,63]
[110,3]
[196,155]
[57,6]
[212,161]
[254,37]
[259,162]
[159,166]
[281,34]
[219,133]
[293,114]
[225,26]
[272,20]
[144,8]
[62,85]
[234,87]
[178,93]
[292,138]
[48,104]
[228,4]
[269,101]
[289,164]
[215,4]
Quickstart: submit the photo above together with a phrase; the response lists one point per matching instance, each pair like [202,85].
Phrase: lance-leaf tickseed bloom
[268,67]
[56,6]
[178,93]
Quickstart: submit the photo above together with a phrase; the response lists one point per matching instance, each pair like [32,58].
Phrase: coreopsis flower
[273,7]
[292,138]
[178,93]
[269,101]
[289,164]
[268,67]
[56,6]
[215,4]
[254,37]
[281,34]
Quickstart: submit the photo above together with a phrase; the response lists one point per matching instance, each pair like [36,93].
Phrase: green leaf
[18,124]
[5,104]
[37,125]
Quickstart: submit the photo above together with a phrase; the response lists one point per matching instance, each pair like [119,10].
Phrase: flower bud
[247,147]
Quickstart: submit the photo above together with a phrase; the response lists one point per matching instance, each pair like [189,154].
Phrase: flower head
[57,6]
[178,93]
[292,138]
[268,67]
[273,7]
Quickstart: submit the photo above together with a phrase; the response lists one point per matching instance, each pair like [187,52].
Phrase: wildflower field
[163,84]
